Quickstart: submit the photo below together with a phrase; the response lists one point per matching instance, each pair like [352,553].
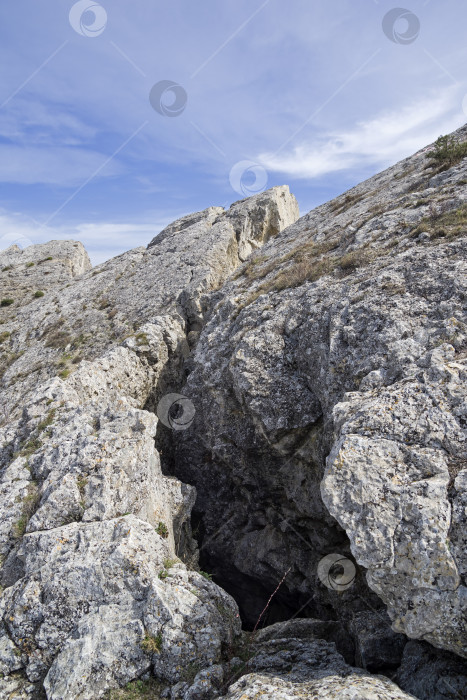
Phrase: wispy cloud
[65,167]
[101,240]
[379,141]
[268,75]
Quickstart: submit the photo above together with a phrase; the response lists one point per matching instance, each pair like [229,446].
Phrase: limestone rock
[99,309]
[396,455]
[334,363]
[430,674]
[300,666]
[91,601]
[353,687]
[95,594]
[324,460]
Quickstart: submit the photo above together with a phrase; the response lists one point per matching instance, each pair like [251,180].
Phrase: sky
[118,117]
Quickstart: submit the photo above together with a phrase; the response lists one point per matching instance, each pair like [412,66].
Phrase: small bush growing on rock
[7,302]
[47,420]
[38,294]
[444,225]
[30,264]
[59,339]
[353,260]
[142,339]
[168,563]
[340,204]
[206,575]
[4,336]
[30,447]
[162,530]
[30,503]
[7,267]
[150,689]
[151,644]
[448,151]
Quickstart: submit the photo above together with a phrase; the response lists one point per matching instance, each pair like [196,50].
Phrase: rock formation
[319,477]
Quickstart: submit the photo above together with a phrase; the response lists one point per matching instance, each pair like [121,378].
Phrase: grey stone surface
[330,381]
[377,645]
[91,532]
[304,667]
[327,372]
[100,308]
[353,687]
[431,674]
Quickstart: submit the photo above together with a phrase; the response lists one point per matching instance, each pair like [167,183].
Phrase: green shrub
[168,563]
[151,644]
[7,302]
[448,225]
[30,447]
[38,294]
[30,264]
[162,530]
[448,151]
[29,506]
[58,339]
[150,689]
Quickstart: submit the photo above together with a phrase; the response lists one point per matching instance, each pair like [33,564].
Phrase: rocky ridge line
[292,360]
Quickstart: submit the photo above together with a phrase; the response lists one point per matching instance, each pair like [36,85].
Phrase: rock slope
[331,380]
[91,532]
[319,476]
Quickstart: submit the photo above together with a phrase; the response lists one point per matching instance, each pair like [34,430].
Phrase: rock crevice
[321,483]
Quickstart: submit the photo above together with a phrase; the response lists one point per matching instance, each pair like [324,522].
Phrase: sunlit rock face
[274,403]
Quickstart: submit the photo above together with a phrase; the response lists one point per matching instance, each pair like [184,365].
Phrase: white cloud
[378,142]
[65,167]
[102,240]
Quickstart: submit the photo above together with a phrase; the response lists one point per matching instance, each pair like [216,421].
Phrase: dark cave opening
[260,604]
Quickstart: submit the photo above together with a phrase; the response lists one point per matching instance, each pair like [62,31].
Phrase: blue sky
[307,93]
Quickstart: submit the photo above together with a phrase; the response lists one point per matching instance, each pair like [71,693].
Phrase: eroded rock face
[396,454]
[327,375]
[92,534]
[95,593]
[82,318]
[352,687]
[289,661]
[330,380]
[430,674]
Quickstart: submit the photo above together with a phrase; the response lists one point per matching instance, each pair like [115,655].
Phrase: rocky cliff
[259,421]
